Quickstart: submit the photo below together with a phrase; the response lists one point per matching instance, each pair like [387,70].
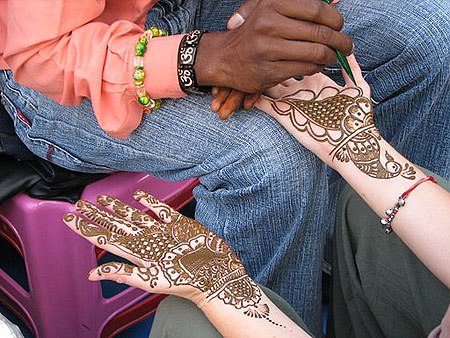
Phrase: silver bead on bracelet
[390,213]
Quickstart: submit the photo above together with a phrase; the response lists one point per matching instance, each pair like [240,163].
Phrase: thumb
[239,17]
[145,278]
[357,73]
[115,271]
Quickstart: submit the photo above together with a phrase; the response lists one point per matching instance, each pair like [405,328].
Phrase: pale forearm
[265,320]
[423,223]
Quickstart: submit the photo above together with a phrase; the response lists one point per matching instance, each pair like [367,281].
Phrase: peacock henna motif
[344,119]
[180,249]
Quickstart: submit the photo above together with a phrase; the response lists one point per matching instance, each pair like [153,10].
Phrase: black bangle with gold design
[187,54]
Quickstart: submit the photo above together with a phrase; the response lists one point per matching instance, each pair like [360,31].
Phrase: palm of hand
[176,255]
[334,122]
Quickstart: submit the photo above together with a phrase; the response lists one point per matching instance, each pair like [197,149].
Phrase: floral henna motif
[344,119]
[183,250]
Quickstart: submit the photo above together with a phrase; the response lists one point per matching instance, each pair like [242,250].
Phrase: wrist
[211,67]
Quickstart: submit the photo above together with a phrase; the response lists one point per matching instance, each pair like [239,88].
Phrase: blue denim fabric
[261,190]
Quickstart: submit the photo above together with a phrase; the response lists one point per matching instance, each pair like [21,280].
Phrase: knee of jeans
[428,40]
[285,162]
[265,158]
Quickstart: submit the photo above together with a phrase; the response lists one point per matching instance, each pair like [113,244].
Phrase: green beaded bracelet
[139,74]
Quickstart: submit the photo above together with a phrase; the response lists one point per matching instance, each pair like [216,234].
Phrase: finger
[250,100]
[290,69]
[145,278]
[309,31]
[106,220]
[93,233]
[238,18]
[214,91]
[357,73]
[129,213]
[219,99]
[289,82]
[111,242]
[312,10]
[233,102]
[165,213]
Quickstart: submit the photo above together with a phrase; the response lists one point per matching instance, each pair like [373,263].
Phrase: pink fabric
[70,50]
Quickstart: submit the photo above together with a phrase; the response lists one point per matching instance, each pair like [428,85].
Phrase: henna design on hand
[344,119]
[176,252]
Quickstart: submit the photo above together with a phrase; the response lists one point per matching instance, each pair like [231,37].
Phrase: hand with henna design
[334,122]
[176,255]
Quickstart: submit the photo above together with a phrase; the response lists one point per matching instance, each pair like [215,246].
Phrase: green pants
[380,288]
[178,317]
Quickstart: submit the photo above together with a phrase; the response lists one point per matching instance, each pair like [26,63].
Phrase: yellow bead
[158,104]
[154,31]
[143,40]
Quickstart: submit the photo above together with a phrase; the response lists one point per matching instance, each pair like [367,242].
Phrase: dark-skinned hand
[226,100]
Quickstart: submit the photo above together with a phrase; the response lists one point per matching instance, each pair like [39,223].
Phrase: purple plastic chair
[61,302]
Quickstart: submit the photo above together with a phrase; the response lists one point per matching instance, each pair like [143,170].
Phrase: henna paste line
[351,117]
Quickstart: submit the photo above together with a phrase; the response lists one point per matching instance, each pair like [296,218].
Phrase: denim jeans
[263,192]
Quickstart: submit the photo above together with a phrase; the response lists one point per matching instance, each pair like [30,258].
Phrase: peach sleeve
[68,57]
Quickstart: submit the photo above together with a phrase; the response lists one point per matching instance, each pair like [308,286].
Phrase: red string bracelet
[386,222]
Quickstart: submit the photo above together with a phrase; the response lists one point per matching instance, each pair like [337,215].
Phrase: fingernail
[353,48]
[235,21]
[215,91]
[215,106]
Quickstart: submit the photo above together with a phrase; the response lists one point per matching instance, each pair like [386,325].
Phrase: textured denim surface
[270,198]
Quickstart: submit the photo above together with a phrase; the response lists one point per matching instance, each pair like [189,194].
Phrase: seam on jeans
[10,103]
[17,92]
[77,161]
[22,117]
[50,151]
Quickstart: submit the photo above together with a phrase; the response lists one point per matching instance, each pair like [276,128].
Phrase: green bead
[140,49]
[138,67]
[144,100]
[139,75]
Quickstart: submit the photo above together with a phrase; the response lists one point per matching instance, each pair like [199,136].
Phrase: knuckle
[322,33]
[315,9]
[312,69]
[258,50]
[319,54]
[339,24]
[262,50]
